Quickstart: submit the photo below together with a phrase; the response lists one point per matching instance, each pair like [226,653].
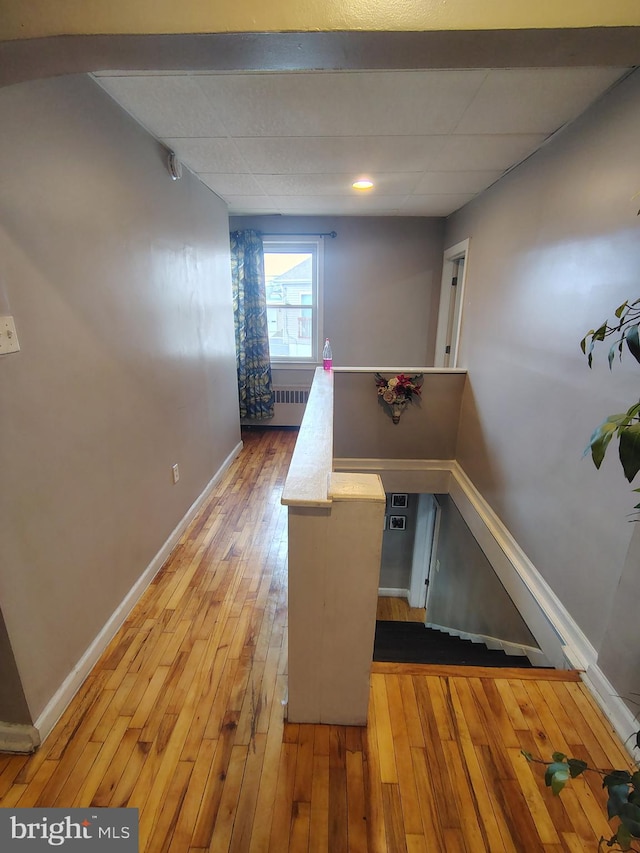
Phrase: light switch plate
[8,336]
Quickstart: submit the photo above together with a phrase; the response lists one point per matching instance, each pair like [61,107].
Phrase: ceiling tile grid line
[293,143]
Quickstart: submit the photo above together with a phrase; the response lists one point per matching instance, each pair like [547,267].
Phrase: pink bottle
[327,358]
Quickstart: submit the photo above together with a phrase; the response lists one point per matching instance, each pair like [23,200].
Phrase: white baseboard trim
[393,592]
[536,657]
[566,646]
[556,633]
[560,638]
[555,630]
[613,707]
[72,683]
[18,738]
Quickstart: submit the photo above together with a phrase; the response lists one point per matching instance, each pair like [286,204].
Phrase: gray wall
[554,249]
[118,279]
[13,705]
[428,428]
[381,285]
[465,592]
[397,546]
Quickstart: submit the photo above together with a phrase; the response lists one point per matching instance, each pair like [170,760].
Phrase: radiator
[289,406]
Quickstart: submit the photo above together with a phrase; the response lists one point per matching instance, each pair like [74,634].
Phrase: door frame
[451,299]
[424,548]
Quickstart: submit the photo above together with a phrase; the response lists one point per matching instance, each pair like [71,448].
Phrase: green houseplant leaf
[618,798]
[633,342]
[560,779]
[622,838]
[600,440]
[626,427]
[629,449]
[556,776]
[577,767]
[630,817]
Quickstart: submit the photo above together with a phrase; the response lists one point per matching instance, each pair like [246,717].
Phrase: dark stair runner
[413,642]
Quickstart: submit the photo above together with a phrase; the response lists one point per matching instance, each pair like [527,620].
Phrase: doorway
[454,270]
[408,551]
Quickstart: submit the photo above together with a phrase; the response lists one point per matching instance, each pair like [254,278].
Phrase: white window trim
[273,240]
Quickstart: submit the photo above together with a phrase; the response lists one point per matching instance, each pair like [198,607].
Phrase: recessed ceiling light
[362,184]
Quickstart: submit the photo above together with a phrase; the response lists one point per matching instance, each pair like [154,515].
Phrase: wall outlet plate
[8,336]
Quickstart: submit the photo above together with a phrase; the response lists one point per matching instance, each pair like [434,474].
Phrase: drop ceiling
[292,143]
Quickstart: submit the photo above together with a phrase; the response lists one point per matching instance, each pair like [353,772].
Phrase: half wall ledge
[335,543]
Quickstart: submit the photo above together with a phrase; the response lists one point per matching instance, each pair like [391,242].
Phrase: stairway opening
[413,642]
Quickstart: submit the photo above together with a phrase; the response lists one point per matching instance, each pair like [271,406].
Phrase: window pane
[290,288]
[290,332]
[288,276]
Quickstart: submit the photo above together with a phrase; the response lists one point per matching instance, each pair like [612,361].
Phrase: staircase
[413,642]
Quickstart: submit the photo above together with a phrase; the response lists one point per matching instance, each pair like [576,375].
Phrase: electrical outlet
[8,336]
[175,470]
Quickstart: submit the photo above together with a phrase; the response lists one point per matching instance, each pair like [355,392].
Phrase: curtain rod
[331,234]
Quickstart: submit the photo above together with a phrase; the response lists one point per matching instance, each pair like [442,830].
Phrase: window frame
[298,244]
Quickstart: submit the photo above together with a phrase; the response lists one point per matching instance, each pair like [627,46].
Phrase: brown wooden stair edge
[448,671]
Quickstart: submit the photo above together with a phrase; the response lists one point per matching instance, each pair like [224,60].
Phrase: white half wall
[558,635]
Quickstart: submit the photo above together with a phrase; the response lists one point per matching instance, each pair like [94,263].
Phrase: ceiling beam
[28,59]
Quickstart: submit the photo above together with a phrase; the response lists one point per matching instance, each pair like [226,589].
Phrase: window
[293,275]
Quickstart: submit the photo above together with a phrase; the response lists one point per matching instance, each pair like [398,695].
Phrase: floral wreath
[396,393]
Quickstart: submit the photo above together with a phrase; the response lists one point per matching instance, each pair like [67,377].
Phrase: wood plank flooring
[393,609]
[183,718]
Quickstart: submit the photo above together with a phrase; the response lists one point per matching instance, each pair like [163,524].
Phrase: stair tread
[413,642]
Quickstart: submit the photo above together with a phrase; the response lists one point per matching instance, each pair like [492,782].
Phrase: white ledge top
[445,370]
[362,487]
[307,482]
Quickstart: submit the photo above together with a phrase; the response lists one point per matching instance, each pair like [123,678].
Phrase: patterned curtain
[252,336]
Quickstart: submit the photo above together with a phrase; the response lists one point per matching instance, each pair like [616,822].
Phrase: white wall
[119,282]
[554,249]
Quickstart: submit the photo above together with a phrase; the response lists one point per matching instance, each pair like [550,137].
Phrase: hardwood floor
[183,717]
[398,610]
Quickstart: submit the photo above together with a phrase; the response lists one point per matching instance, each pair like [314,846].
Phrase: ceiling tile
[166,106]
[243,204]
[354,154]
[534,100]
[456,182]
[433,205]
[209,155]
[232,185]
[293,142]
[484,153]
[341,103]
[337,184]
[338,204]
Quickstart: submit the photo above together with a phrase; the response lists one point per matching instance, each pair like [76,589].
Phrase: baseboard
[535,656]
[18,738]
[613,707]
[72,683]
[555,630]
[560,638]
[393,592]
